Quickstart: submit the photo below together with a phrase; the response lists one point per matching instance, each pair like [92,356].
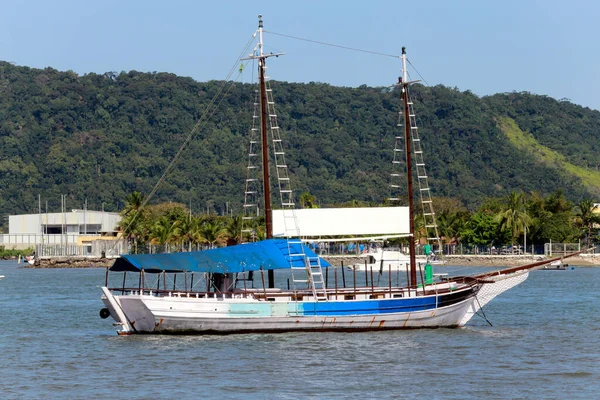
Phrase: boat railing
[273,294]
[182,293]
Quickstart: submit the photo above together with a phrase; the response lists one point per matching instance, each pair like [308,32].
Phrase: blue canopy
[266,254]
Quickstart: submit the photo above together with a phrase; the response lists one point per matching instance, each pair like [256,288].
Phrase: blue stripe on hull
[362,307]
[387,306]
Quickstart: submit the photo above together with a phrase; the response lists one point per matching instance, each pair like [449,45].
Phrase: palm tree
[513,216]
[185,231]
[308,200]
[587,217]
[133,219]
[133,203]
[165,231]
[449,225]
[212,232]
[195,229]
[233,228]
[134,229]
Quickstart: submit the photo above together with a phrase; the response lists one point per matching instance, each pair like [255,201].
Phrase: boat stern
[115,310]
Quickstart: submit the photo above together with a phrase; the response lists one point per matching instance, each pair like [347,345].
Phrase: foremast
[409,176]
[264,112]
[264,115]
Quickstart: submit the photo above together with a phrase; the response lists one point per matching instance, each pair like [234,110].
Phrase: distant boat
[26,259]
[557,266]
[214,291]
[382,259]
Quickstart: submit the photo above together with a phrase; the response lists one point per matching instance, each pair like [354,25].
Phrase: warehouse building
[79,232]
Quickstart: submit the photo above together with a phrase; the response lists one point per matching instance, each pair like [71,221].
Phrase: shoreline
[70,262]
[474,260]
[515,261]
[453,260]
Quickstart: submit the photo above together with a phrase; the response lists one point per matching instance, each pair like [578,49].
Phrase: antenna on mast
[260,35]
[404,71]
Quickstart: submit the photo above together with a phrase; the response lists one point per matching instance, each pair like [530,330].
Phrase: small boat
[213,295]
[557,266]
[380,259]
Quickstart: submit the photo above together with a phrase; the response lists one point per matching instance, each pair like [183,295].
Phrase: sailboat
[216,292]
[233,289]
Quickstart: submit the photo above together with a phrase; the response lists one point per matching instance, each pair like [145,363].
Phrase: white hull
[152,314]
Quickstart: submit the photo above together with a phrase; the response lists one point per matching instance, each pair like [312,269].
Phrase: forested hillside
[101,137]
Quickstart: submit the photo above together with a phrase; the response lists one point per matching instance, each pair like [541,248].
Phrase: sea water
[544,344]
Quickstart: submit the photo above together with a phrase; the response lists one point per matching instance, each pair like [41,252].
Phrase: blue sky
[543,46]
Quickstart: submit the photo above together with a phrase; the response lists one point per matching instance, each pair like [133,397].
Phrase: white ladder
[303,269]
[397,176]
[253,189]
[312,273]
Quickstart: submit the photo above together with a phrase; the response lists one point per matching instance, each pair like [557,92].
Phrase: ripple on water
[542,345]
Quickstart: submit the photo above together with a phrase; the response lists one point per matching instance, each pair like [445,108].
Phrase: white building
[68,233]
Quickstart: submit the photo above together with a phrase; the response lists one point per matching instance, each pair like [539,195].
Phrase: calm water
[545,343]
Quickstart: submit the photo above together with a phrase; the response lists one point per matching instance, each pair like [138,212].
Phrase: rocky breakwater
[345,260]
[71,262]
[514,261]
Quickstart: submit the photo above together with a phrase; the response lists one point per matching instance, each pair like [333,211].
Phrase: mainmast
[263,131]
[265,118]
[409,174]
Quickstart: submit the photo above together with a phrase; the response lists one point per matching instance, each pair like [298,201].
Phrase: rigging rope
[482,315]
[421,76]
[347,48]
[333,45]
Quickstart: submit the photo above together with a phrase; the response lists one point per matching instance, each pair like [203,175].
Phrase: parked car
[511,250]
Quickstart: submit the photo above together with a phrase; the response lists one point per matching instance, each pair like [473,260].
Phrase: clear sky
[546,47]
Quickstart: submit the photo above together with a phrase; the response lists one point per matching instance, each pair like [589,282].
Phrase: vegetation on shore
[101,137]
[498,222]
[12,253]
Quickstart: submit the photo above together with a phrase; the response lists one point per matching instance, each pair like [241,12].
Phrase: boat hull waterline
[153,314]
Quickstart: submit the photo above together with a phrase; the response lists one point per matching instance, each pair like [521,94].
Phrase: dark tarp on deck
[268,254]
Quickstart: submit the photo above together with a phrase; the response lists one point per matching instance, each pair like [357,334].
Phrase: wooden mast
[409,177]
[264,118]
[264,115]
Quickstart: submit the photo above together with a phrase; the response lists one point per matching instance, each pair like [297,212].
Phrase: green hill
[101,137]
